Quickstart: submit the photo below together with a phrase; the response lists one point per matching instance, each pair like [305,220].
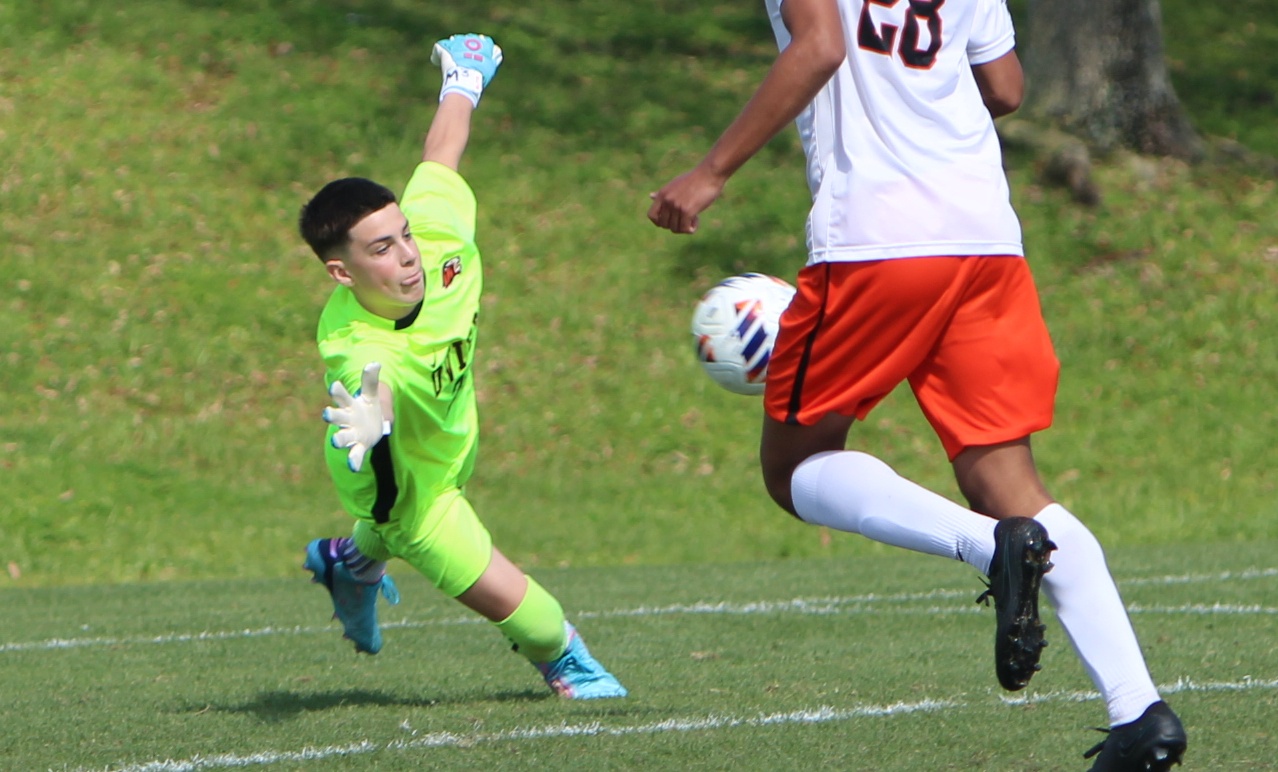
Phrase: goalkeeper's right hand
[469,63]
[358,418]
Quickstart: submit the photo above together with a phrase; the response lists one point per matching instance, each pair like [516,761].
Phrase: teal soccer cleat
[577,676]
[354,602]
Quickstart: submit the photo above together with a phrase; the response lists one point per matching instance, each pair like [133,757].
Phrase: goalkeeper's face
[382,264]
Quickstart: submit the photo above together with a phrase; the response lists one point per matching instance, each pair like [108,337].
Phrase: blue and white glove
[358,418]
[469,63]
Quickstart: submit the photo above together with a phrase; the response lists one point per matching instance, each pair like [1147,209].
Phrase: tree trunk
[1096,69]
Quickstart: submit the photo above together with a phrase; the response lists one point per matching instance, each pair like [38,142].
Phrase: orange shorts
[966,332]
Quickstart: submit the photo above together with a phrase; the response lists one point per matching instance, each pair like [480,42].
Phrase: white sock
[856,492]
[1089,608]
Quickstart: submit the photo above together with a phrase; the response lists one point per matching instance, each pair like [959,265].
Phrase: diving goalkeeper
[398,341]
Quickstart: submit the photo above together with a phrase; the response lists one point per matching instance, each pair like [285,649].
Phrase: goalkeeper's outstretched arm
[468,63]
[362,419]
[449,132]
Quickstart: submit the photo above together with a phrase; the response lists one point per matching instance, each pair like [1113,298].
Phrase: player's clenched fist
[469,63]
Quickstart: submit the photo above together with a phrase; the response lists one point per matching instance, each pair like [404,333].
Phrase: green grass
[876,663]
[1220,71]
[158,320]
[163,400]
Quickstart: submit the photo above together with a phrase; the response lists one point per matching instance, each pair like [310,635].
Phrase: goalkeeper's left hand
[469,63]
[359,418]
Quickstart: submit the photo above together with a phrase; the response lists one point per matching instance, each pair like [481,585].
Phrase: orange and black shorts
[966,332]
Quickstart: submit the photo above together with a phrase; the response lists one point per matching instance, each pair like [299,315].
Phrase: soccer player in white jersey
[915,272]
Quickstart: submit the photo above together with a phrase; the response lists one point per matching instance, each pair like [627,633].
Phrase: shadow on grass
[276,707]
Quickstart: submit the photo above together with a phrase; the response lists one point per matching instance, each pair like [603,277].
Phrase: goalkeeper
[398,333]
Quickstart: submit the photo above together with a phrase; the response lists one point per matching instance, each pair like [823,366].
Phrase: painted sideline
[823,714]
[827,605]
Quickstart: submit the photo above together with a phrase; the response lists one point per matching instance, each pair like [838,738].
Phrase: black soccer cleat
[1021,552]
[1152,743]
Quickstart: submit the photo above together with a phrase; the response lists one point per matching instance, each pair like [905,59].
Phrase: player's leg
[353,569]
[855,492]
[783,447]
[1002,482]
[533,621]
[452,548]
[850,336]
[1079,586]
[989,382]
[498,591]
[1013,496]
[991,386]
[853,332]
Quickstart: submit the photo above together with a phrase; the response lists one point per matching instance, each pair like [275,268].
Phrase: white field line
[830,606]
[1223,576]
[820,715]
[853,604]
[1175,687]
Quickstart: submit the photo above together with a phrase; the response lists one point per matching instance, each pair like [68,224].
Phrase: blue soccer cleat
[577,676]
[354,602]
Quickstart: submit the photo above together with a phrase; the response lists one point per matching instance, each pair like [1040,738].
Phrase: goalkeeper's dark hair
[326,220]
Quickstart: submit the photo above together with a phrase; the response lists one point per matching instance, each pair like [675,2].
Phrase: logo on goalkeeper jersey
[450,270]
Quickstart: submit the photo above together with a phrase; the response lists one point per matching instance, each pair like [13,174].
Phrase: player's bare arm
[800,71]
[1002,84]
[449,131]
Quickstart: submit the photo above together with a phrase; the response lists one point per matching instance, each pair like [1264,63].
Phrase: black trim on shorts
[796,391]
[384,479]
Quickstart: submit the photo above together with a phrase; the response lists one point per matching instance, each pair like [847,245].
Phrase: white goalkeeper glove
[358,418]
[469,63]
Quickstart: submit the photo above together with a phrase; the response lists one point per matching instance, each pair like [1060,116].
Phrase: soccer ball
[734,326]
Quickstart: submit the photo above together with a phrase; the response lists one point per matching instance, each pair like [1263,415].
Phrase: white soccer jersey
[902,156]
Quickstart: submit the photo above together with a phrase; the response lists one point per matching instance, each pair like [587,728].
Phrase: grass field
[159,448]
[881,663]
[158,319]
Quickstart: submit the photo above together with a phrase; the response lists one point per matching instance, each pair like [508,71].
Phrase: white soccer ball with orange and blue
[734,327]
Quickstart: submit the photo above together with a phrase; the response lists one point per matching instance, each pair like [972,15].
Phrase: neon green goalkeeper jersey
[425,357]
